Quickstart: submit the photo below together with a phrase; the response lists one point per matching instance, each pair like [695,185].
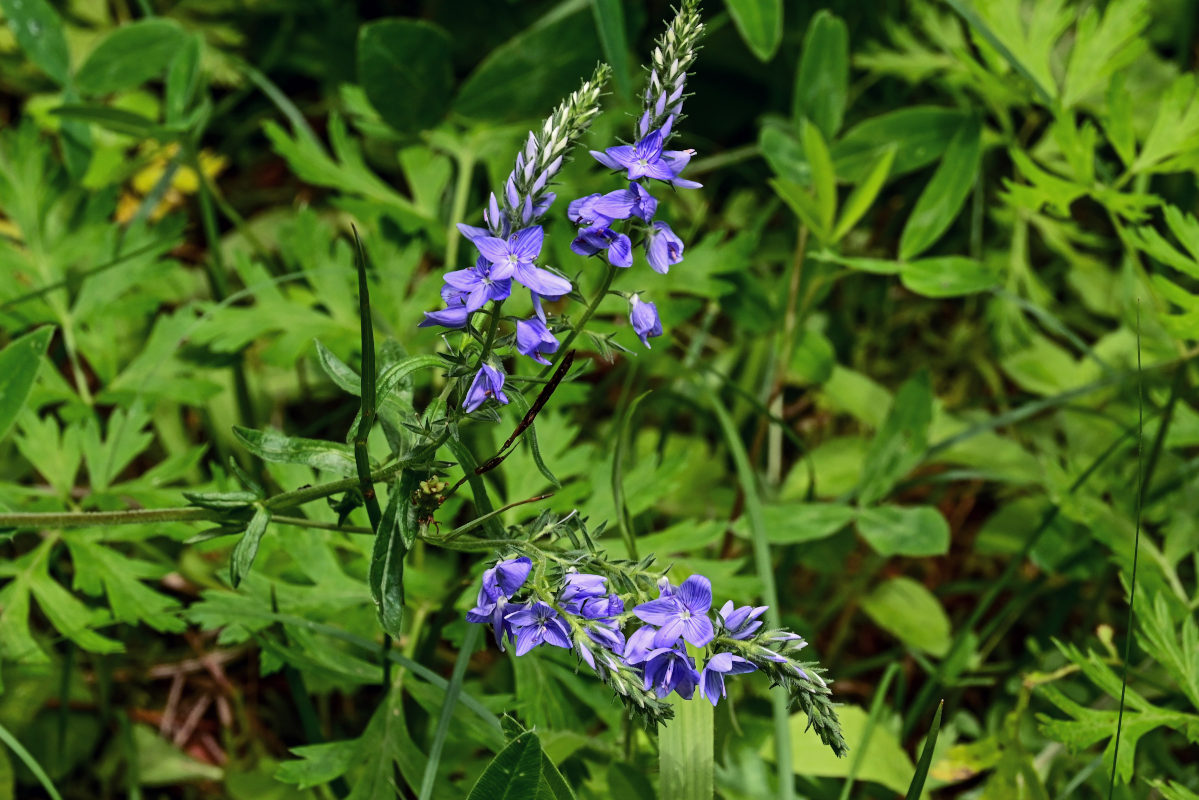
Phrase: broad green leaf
[246,549]
[1103,46]
[875,266]
[558,48]
[812,358]
[784,154]
[553,786]
[895,531]
[160,763]
[864,194]
[790,523]
[900,443]
[883,761]
[910,612]
[129,56]
[279,448]
[824,179]
[19,363]
[38,29]
[822,85]
[404,67]
[685,750]
[514,773]
[947,276]
[919,136]
[942,199]
[760,23]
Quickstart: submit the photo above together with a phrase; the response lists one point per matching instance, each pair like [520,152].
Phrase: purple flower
[538,624]
[684,613]
[667,670]
[647,159]
[477,285]
[513,258]
[500,583]
[741,622]
[640,645]
[533,339]
[453,316]
[583,212]
[624,203]
[663,247]
[488,382]
[580,586]
[712,680]
[593,240]
[644,317]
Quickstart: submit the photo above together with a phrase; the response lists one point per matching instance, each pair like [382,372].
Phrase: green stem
[492,327]
[466,165]
[366,418]
[588,313]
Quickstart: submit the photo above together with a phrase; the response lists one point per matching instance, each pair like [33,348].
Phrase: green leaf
[916,789]
[824,179]
[812,358]
[124,439]
[919,136]
[791,523]
[864,194]
[895,531]
[318,763]
[278,448]
[247,546]
[129,56]
[160,763]
[610,24]
[947,276]
[19,363]
[943,197]
[557,48]
[513,774]
[1175,128]
[911,613]
[397,531]
[338,371]
[802,203]
[183,79]
[114,119]
[1104,46]
[39,30]
[553,785]
[685,751]
[405,69]
[882,760]
[822,85]
[760,23]
[784,154]
[31,764]
[900,443]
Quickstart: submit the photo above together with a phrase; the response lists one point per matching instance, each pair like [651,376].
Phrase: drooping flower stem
[492,326]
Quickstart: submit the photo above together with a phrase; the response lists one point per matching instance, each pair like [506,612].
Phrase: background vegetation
[928,368]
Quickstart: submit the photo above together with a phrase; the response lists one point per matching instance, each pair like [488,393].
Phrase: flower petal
[696,594]
[658,612]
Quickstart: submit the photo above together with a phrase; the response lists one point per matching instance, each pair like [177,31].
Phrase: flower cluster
[646,159]
[509,247]
[640,649]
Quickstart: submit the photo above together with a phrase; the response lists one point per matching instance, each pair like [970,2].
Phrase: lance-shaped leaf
[247,547]
[278,448]
[18,368]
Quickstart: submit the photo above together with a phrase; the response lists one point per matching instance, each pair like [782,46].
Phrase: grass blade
[876,710]
[453,689]
[926,757]
[685,755]
[765,570]
[367,413]
[609,23]
[30,762]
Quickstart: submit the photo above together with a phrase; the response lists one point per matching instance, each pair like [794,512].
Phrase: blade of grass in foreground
[447,710]
[30,762]
[926,757]
[765,570]
[685,756]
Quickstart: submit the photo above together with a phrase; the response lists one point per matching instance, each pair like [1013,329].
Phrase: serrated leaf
[1104,45]
[822,85]
[946,192]
[39,30]
[129,56]
[279,448]
[514,773]
[19,363]
[760,23]
[124,439]
[246,549]
[895,531]
[404,67]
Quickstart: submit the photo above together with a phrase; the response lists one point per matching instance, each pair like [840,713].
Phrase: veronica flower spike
[684,613]
[477,285]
